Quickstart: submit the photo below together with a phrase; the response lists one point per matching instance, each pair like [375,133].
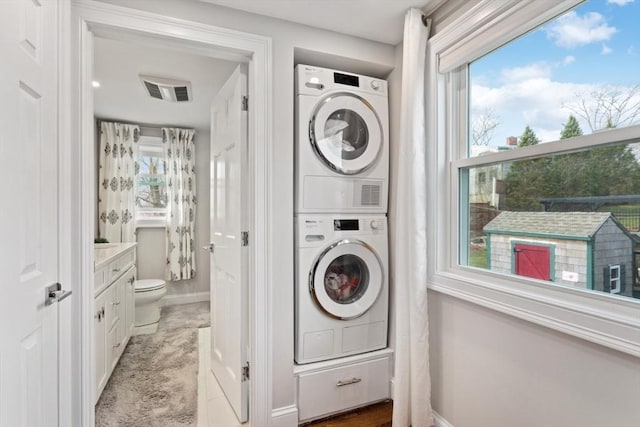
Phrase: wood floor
[378,415]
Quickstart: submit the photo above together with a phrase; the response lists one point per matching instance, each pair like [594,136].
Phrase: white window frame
[606,319]
[615,283]
[149,144]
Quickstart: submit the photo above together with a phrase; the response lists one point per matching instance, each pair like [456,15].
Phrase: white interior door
[229,264]
[29,226]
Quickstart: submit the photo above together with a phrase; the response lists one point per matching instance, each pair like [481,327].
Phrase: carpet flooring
[155,381]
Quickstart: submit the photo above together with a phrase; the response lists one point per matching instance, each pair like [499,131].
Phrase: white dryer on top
[342,142]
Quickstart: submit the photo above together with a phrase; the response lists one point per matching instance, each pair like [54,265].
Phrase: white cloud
[572,30]
[568,60]
[537,102]
[606,50]
[619,2]
[528,72]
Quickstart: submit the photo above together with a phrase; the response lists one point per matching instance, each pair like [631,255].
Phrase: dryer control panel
[311,80]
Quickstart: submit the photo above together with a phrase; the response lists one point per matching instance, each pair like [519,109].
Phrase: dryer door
[345,133]
[346,279]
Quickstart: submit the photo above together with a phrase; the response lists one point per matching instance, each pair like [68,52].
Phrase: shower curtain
[116,199]
[412,381]
[181,208]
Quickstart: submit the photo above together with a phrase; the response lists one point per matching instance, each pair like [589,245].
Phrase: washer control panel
[346,225]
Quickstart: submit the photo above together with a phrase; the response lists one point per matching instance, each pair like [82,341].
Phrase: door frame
[91,17]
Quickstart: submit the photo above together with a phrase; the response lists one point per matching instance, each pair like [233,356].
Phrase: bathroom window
[151,192]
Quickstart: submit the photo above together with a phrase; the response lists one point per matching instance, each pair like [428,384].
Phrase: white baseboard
[392,388]
[439,421]
[286,416]
[184,298]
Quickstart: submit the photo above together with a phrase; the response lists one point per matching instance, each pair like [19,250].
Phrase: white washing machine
[342,142]
[342,287]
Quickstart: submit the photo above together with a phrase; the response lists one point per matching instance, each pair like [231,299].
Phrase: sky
[531,80]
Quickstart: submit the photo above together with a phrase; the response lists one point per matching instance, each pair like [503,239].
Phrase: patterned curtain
[116,198]
[181,210]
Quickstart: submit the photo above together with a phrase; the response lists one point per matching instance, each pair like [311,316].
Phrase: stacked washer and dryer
[341,181]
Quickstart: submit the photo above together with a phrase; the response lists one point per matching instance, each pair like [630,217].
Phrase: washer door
[345,133]
[346,279]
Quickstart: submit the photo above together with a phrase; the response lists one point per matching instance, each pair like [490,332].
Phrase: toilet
[148,293]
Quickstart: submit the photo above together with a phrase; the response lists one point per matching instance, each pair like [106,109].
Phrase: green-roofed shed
[590,250]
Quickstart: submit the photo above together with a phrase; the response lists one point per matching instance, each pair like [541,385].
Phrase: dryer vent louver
[370,195]
[167,89]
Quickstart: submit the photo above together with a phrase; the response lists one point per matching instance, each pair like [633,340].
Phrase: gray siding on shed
[612,246]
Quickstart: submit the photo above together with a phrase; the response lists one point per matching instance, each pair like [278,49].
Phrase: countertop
[104,253]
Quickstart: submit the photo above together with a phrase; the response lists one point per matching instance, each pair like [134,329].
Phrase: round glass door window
[345,133]
[346,279]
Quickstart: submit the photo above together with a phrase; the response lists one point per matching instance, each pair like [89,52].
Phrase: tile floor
[213,408]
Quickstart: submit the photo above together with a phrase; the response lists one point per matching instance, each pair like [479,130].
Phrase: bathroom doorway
[164,97]
[107,22]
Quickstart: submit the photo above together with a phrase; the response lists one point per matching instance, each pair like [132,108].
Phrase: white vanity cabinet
[114,307]
[100,343]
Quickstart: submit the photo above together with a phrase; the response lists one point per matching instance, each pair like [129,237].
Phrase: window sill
[610,321]
[151,223]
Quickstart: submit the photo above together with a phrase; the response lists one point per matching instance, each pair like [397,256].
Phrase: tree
[482,127]
[603,171]
[607,106]
[571,128]
[525,182]
[528,138]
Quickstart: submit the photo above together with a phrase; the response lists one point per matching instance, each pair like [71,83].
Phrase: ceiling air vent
[167,89]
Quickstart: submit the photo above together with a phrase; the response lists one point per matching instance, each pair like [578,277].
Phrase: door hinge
[245,372]
[245,238]
[245,103]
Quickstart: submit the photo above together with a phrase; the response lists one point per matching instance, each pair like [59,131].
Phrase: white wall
[359,55]
[151,250]
[491,369]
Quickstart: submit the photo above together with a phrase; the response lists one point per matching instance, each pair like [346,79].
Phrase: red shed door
[532,261]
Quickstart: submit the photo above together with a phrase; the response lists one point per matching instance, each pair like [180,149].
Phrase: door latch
[245,373]
[54,293]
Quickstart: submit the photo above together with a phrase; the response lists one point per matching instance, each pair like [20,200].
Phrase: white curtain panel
[116,198]
[181,210]
[412,380]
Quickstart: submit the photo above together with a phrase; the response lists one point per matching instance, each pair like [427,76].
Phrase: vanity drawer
[118,266]
[333,390]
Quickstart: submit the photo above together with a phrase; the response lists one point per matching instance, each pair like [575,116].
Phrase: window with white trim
[613,274]
[151,192]
[541,98]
